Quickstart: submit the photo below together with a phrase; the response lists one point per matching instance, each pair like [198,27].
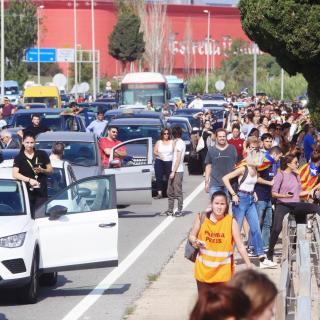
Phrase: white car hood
[13,224]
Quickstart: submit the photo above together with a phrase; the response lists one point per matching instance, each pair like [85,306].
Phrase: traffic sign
[46,55]
[65,55]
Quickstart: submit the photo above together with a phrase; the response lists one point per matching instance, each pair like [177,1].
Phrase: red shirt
[238,143]
[107,143]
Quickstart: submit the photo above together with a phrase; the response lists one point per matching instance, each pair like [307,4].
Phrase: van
[43,94]
[11,91]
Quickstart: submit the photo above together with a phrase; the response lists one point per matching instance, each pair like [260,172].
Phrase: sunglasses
[166,133]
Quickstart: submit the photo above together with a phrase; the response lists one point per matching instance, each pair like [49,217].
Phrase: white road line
[108,281]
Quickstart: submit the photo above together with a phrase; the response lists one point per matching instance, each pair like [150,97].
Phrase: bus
[141,87]
[176,87]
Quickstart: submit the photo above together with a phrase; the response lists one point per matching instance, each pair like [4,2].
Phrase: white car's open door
[133,172]
[78,228]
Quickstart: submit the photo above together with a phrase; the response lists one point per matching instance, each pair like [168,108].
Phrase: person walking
[214,236]
[174,190]
[287,190]
[308,141]
[32,166]
[97,126]
[220,160]
[204,134]
[243,199]
[236,141]
[163,151]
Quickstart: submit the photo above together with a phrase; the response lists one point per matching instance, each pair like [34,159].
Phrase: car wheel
[29,293]
[48,279]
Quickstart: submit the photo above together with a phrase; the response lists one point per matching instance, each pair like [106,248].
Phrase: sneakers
[166,213]
[178,213]
[158,196]
[265,264]
[251,253]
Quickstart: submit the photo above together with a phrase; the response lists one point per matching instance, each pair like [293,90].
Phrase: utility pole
[75,48]
[254,69]
[2,47]
[93,52]
[208,46]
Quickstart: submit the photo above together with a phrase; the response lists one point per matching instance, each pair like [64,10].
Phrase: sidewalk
[173,295]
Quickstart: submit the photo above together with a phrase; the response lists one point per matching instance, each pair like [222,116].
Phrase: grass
[153,277]
[129,311]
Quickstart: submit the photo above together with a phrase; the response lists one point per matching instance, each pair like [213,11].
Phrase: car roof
[135,121]
[177,119]
[187,111]
[66,136]
[39,110]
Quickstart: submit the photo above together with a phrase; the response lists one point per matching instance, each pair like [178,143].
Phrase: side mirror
[56,212]
[116,163]
[84,192]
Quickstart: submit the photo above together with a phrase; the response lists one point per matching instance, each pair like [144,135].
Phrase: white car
[75,229]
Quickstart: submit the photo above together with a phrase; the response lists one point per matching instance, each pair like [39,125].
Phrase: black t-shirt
[36,130]
[26,165]
[262,190]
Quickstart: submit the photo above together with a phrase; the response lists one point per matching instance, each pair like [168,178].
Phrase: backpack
[235,183]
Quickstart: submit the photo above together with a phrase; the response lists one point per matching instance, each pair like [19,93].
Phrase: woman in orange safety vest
[215,235]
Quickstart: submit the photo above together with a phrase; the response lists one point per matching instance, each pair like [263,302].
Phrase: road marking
[109,280]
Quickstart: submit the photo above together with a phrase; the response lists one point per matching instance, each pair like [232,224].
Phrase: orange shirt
[215,262]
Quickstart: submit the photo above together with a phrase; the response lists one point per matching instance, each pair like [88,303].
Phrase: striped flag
[308,179]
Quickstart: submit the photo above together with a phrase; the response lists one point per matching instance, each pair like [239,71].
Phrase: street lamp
[93,52]
[75,48]
[38,20]
[208,44]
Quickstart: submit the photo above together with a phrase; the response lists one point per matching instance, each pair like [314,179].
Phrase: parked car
[34,248]
[81,151]
[132,128]
[50,117]
[132,113]
[32,105]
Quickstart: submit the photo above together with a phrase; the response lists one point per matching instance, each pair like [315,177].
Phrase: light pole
[93,52]
[254,69]
[75,48]
[38,40]
[208,44]
[2,48]
[282,84]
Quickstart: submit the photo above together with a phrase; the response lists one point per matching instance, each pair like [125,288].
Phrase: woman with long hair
[204,134]
[244,198]
[163,150]
[221,303]
[287,191]
[215,236]
[260,290]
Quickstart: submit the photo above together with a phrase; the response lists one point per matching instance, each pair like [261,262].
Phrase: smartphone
[290,193]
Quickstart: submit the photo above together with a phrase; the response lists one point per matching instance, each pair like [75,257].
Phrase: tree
[20,34]
[290,31]
[126,42]
[47,69]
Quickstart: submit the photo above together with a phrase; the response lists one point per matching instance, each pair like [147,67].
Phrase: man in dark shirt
[32,166]
[263,189]
[7,109]
[35,127]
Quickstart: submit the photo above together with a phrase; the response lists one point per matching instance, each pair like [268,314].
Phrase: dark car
[50,118]
[132,128]
[98,106]
[188,114]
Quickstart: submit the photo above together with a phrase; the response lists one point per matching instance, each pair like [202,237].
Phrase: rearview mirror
[56,212]
[84,192]
[116,163]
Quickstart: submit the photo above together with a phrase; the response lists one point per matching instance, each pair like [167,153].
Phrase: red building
[186,22]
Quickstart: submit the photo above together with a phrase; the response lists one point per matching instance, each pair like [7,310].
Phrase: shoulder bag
[190,252]
[200,144]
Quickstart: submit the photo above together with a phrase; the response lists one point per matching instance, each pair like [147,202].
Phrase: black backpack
[234,181]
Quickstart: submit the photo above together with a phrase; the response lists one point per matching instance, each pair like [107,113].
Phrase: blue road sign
[46,55]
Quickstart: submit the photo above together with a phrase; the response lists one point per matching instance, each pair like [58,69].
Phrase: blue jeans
[213,189]
[247,208]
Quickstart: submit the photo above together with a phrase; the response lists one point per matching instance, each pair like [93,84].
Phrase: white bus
[141,87]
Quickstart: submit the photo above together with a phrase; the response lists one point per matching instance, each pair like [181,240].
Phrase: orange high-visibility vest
[215,262]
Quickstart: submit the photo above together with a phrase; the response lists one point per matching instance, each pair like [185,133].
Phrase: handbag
[200,144]
[190,252]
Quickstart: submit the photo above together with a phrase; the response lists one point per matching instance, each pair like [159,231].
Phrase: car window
[138,131]
[56,181]
[11,198]
[137,153]
[92,195]
[77,153]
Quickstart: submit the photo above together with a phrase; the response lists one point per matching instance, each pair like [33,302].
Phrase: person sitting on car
[35,128]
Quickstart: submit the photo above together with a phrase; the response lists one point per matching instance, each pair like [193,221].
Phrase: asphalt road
[72,298]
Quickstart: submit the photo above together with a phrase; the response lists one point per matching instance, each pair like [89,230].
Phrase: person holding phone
[215,235]
[32,166]
[287,191]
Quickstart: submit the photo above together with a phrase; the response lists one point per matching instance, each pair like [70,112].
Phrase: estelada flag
[308,178]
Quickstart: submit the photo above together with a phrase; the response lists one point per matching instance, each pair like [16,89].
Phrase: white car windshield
[11,198]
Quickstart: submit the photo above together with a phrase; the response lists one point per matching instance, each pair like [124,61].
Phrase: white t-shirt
[180,146]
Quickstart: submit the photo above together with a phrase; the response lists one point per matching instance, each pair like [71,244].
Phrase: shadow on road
[131,214]
[3,317]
